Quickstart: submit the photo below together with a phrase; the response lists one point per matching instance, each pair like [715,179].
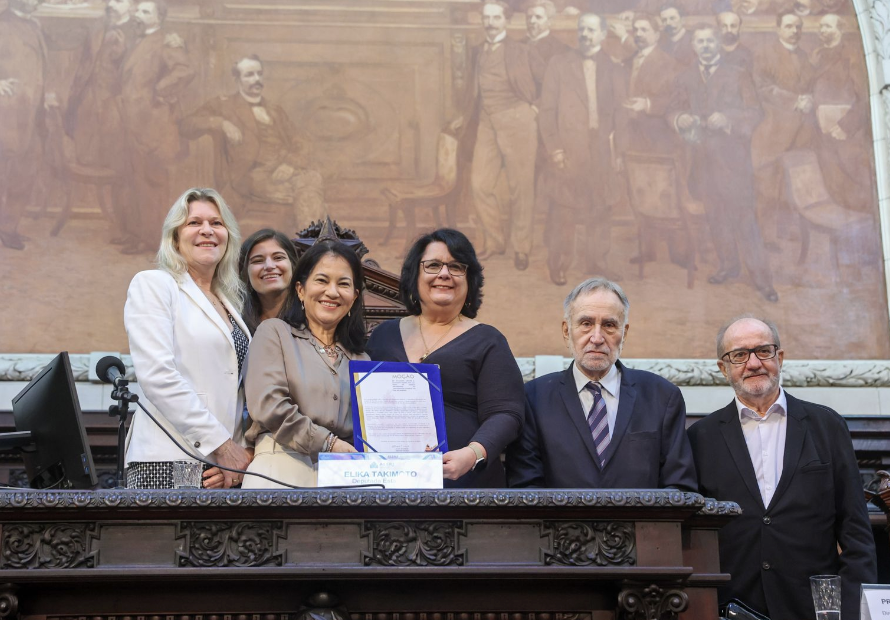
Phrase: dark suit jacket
[681,50]
[157,68]
[233,163]
[648,450]
[720,167]
[548,47]
[648,131]
[22,57]
[563,122]
[818,504]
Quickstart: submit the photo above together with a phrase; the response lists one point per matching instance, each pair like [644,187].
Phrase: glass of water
[826,596]
[187,474]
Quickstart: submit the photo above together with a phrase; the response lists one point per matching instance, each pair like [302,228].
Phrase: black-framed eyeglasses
[434,267]
[741,356]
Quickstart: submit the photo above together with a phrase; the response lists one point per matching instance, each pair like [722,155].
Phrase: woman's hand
[455,463]
[231,455]
[214,478]
[341,446]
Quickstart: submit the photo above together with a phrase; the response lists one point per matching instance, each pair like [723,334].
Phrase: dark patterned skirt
[152,475]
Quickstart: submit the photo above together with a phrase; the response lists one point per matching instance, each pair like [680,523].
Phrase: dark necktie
[598,421]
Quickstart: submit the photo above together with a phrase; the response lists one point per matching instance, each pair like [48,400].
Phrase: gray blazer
[294,392]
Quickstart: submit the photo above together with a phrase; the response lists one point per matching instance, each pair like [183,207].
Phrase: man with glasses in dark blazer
[790,465]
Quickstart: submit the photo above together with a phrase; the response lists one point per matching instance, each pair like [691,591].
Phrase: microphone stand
[121,410]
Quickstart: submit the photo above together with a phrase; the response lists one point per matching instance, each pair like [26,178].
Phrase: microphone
[110,368]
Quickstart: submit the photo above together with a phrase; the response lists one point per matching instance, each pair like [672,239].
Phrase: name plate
[875,603]
[405,470]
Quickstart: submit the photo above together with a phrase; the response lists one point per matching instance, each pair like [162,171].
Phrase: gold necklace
[428,350]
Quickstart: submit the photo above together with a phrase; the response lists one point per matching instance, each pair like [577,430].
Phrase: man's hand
[804,104]
[685,122]
[8,87]
[230,454]
[282,173]
[837,133]
[559,159]
[232,133]
[636,104]
[718,122]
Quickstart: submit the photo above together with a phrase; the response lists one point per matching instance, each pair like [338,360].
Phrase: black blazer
[772,551]
[649,448]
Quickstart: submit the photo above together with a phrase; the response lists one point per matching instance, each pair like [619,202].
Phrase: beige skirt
[280,463]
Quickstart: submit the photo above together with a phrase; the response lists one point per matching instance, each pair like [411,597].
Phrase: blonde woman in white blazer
[188,344]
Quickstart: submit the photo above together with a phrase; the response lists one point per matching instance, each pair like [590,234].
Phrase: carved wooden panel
[432,543]
[222,543]
[594,543]
[47,545]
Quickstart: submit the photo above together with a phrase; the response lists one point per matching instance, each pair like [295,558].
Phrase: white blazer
[186,365]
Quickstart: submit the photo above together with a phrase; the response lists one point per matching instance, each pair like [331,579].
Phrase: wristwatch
[480,456]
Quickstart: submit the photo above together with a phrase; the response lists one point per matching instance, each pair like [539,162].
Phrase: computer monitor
[48,408]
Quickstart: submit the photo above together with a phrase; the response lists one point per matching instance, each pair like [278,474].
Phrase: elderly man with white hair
[599,424]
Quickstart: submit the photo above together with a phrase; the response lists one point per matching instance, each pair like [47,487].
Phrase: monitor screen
[48,407]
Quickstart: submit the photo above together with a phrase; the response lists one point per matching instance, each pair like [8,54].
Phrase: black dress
[482,388]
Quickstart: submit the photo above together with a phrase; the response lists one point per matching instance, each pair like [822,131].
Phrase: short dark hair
[670,5]
[654,21]
[350,331]
[253,309]
[160,5]
[508,10]
[462,251]
[704,26]
[236,71]
[782,15]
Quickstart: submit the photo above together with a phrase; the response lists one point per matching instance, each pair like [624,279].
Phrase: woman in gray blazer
[297,380]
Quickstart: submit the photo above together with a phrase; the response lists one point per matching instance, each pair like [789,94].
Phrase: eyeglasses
[434,267]
[740,356]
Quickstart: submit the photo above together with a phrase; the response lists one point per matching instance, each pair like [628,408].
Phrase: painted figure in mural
[93,117]
[784,79]
[582,90]
[732,52]
[642,127]
[619,43]
[840,99]
[259,153]
[537,25]
[675,39]
[715,111]
[599,424]
[791,467]
[22,80]
[154,75]
[499,110]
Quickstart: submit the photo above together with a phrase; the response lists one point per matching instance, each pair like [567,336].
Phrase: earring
[302,307]
[349,313]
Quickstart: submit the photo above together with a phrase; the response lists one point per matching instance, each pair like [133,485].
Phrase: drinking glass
[187,474]
[826,596]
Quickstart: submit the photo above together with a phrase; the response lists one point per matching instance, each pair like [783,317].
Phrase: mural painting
[714,157]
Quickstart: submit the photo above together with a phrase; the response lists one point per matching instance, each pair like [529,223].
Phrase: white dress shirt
[611,387]
[765,437]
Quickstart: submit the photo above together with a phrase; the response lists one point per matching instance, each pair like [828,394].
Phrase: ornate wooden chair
[806,193]
[443,190]
[653,190]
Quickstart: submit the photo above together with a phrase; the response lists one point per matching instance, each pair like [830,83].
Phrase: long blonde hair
[225,278]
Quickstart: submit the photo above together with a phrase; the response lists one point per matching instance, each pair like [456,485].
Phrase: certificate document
[397,407]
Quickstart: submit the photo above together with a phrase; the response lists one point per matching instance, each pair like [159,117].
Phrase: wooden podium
[359,555]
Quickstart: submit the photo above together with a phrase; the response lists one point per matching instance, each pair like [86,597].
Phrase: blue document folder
[360,370]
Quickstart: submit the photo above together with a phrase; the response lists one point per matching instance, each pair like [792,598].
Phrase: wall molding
[682,372]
